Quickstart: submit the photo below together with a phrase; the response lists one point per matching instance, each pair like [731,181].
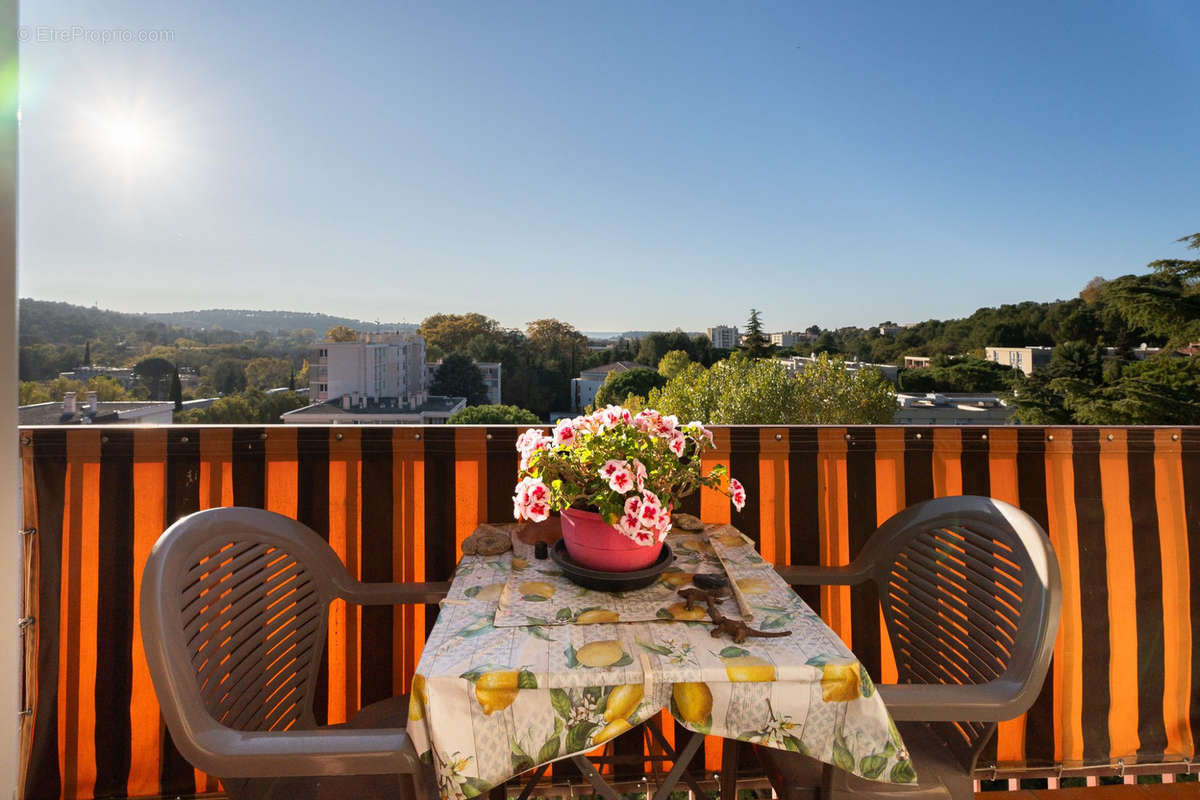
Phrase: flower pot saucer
[603,581]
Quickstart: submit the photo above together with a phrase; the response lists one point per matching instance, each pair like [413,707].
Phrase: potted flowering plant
[615,476]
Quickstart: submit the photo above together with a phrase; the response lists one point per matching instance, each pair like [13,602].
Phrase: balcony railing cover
[1121,505]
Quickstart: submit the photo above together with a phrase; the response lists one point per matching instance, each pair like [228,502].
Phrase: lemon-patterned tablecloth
[490,702]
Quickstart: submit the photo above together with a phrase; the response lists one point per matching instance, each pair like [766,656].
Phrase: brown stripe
[862,521]
[743,465]
[377,562]
[439,509]
[804,506]
[48,451]
[114,615]
[918,465]
[975,462]
[1031,485]
[312,507]
[501,470]
[250,467]
[1093,595]
[1148,583]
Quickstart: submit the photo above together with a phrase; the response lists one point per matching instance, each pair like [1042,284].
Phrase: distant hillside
[251,321]
[49,322]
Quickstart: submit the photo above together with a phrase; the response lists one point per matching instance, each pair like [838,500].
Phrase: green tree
[672,363]
[757,345]
[637,382]
[741,390]
[494,415]
[154,373]
[31,392]
[267,373]
[177,391]
[106,388]
[253,406]
[228,376]
[446,334]
[87,353]
[59,387]
[457,376]
[340,333]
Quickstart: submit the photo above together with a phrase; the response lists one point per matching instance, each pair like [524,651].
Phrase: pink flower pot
[593,543]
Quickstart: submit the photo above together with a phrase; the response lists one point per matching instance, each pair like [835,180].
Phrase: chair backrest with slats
[968,587]
[240,602]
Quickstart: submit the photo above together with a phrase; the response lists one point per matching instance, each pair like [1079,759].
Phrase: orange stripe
[216,467]
[1068,649]
[947,462]
[283,471]
[470,486]
[1122,613]
[1176,592]
[835,525]
[714,506]
[78,748]
[1002,469]
[149,520]
[773,505]
[889,500]
[344,465]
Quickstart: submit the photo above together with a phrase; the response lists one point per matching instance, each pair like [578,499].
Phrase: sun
[127,137]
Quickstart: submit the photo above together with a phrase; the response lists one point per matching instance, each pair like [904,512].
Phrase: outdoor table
[523,668]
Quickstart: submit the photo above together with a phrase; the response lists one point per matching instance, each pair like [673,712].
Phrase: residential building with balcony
[376,367]
[724,337]
[359,410]
[122,375]
[916,362]
[789,338]
[491,378]
[584,388]
[1026,359]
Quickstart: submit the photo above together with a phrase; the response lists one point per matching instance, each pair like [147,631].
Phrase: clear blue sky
[617,165]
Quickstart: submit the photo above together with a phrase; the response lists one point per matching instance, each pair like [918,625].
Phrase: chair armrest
[827,576]
[994,701]
[228,753]
[377,594]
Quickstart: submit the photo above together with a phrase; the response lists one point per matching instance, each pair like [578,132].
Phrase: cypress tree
[177,390]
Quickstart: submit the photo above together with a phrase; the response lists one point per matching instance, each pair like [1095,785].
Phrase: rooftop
[106,412]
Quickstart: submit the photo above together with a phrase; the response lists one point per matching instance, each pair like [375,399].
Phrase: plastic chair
[234,611]
[971,593]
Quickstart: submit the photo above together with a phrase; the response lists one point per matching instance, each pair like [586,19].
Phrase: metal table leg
[675,757]
[598,783]
[683,758]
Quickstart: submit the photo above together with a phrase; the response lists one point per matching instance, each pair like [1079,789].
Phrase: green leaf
[564,615]
[775,622]
[475,787]
[481,625]
[662,613]
[536,620]
[594,693]
[572,661]
[794,744]
[537,632]
[817,661]
[526,680]
[734,652]
[903,772]
[534,598]
[842,757]
[602,703]
[471,592]
[561,702]
[872,766]
[625,661]
[866,686]
[577,736]
[549,750]
[655,648]
[889,750]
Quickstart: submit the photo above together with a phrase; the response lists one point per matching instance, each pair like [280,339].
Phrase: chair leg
[729,768]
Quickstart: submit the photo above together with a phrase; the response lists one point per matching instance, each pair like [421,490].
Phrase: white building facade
[724,336]
[373,367]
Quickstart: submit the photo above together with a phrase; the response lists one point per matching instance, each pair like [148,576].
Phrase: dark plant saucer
[609,581]
[709,580]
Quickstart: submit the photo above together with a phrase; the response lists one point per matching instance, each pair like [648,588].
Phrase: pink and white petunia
[612,466]
[621,480]
[639,474]
[677,443]
[564,434]
[737,493]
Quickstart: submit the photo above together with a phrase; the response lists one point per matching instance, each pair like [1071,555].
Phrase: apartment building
[789,338]
[584,388]
[94,412]
[724,336]
[1026,359]
[375,367]
[796,364]
[951,408]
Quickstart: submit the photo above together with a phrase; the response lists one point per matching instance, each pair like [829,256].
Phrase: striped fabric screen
[1122,506]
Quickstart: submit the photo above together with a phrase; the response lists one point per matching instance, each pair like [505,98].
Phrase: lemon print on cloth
[496,690]
[614,728]
[839,683]
[746,668]
[697,546]
[753,586]
[680,611]
[416,700]
[622,701]
[730,540]
[604,653]
[519,563]
[693,702]
[490,593]
[594,615]
[536,590]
